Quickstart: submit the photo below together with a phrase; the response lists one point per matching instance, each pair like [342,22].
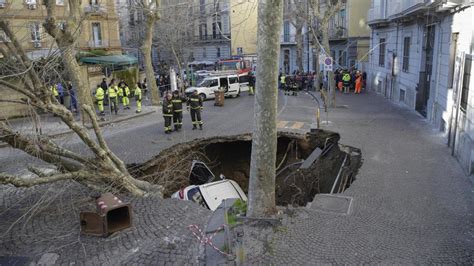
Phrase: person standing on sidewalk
[104,86]
[167,113]
[67,95]
[99,98]
[358,83]
[124,93]
[346,80]
[177,101]
[251,83]
[195,103]
[138,97]
[112,92]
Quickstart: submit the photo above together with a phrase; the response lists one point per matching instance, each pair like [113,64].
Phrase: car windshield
[194,195]
[229,65]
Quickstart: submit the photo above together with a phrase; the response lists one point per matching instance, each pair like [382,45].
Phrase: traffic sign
[328,63]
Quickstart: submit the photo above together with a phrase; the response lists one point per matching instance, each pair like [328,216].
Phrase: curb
[101,124]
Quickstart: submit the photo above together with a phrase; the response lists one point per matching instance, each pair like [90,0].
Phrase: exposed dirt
[230,156]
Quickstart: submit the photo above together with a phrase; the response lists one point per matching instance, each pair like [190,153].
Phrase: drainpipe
[440,31]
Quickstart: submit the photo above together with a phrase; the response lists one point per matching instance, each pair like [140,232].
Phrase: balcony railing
[95,8]
[211,38]
[98,43]
[381,12]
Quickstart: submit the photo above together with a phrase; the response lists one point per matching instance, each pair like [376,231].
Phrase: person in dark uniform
[177,101]
[167,113]
[195,103]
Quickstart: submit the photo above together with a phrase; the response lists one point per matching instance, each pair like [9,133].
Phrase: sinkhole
[307,164]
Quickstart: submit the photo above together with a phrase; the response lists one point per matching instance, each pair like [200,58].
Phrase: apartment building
[421,57]
[348,36]
[99,31]
[211,27]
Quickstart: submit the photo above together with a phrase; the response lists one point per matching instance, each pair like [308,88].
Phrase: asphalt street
[139,139]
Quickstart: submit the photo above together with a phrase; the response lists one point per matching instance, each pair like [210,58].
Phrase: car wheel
[203,96]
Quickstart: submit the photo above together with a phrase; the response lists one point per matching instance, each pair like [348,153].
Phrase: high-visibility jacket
[99,94]
[346,78]
[167,108]
[138,94]
[123,91]
[283,79]
[112,91]
[54,90]
[177,102]
[195,102]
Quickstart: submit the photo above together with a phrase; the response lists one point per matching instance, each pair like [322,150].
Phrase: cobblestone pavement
[411,201]
[412,204]
[49,231]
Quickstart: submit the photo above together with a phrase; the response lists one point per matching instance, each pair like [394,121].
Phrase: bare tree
[151,11]
[264,138]
[175,30]
[100,171]
[297,13]
[323,18]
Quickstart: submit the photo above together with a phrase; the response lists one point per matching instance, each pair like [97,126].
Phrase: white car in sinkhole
[208,194]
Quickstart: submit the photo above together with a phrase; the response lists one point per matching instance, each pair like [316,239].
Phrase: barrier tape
[204,239]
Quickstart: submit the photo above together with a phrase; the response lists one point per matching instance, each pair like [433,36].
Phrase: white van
[209,84]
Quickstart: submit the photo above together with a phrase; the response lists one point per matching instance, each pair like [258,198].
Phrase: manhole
[307,164]
[331,203]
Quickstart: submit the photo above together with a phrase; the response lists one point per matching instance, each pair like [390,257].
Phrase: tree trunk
[331,99]
[146,50]
[316,69]
[79,81]
[299,46]
[264,138]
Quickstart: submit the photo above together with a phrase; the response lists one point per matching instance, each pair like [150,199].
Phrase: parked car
[212,194]
[206,88]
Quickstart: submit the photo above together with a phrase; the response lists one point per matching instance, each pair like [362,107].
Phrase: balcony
[102,44]
[212,39]
[381,13]
[95,9]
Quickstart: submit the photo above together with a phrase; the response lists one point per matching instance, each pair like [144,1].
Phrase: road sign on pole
[328,63]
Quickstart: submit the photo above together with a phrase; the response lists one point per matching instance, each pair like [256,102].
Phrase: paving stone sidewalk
[411,202]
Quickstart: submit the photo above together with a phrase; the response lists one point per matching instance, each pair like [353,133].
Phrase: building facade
[99,31]
[211,38]
[349,36]
[421,54]
[243,30]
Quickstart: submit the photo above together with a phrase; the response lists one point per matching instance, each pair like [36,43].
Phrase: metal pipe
[338,174]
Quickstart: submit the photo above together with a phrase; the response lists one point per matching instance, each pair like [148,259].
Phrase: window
[406,54]
[203,31]
[214,83]
[342,58]
[204,55]
[382,52]
[286,31]
[35,32]
[202,7]
[96,34]
[465,82]
[233,80]
[60,2]
[240,50]
[62,25]
[218,52]
[216,27]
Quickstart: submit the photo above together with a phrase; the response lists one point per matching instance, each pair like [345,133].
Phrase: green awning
[114,60]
